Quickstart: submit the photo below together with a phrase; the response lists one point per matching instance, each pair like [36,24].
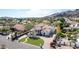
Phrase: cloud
[38,13]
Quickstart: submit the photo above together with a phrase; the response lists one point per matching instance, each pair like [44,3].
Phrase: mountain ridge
[69,13]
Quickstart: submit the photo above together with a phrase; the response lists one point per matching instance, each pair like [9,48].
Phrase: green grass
[32,41]
[22,40]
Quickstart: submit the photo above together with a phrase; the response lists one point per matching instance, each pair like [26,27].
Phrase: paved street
[15,45]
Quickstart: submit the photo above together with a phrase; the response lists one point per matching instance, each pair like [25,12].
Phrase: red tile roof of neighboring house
[19,27]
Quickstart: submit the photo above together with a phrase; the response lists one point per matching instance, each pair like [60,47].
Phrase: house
[77,18]
[19,27]
[44,29]
[46,22]
[47,30]
[67,29]
[29,21]
[74,25]
[1,26]
[24,22]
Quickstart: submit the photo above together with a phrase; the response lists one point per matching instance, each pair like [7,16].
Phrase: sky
[28,12]
[39,4]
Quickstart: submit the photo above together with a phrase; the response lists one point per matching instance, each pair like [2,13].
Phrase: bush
[61,35]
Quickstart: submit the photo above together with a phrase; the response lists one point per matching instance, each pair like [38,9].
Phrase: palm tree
[58,27]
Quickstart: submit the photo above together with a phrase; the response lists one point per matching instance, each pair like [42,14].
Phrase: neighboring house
[44,30]
[77,18]
[74,25]
[15,21]
[67,29]
[1,26]
[68,20]
[46,22]
[4,27]
[19,27]
[23,22]
[29,21]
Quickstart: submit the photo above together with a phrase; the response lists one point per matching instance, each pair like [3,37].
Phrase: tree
[72,37]
[61,20]
[58,27]
[29,26]
[61,34]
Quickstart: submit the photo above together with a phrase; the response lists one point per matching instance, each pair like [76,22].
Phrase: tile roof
[19,27]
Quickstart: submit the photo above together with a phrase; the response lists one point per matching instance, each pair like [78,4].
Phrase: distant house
[77,18]
[46,22]
[4,27]
[24,22]
[1,26]
[19,27]
[44,30]
[28,21]
[74,25]
[67,29]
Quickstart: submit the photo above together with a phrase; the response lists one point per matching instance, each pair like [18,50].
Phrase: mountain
[70,13]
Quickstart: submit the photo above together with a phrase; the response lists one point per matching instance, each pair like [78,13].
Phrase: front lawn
[22,40]
[37,41]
